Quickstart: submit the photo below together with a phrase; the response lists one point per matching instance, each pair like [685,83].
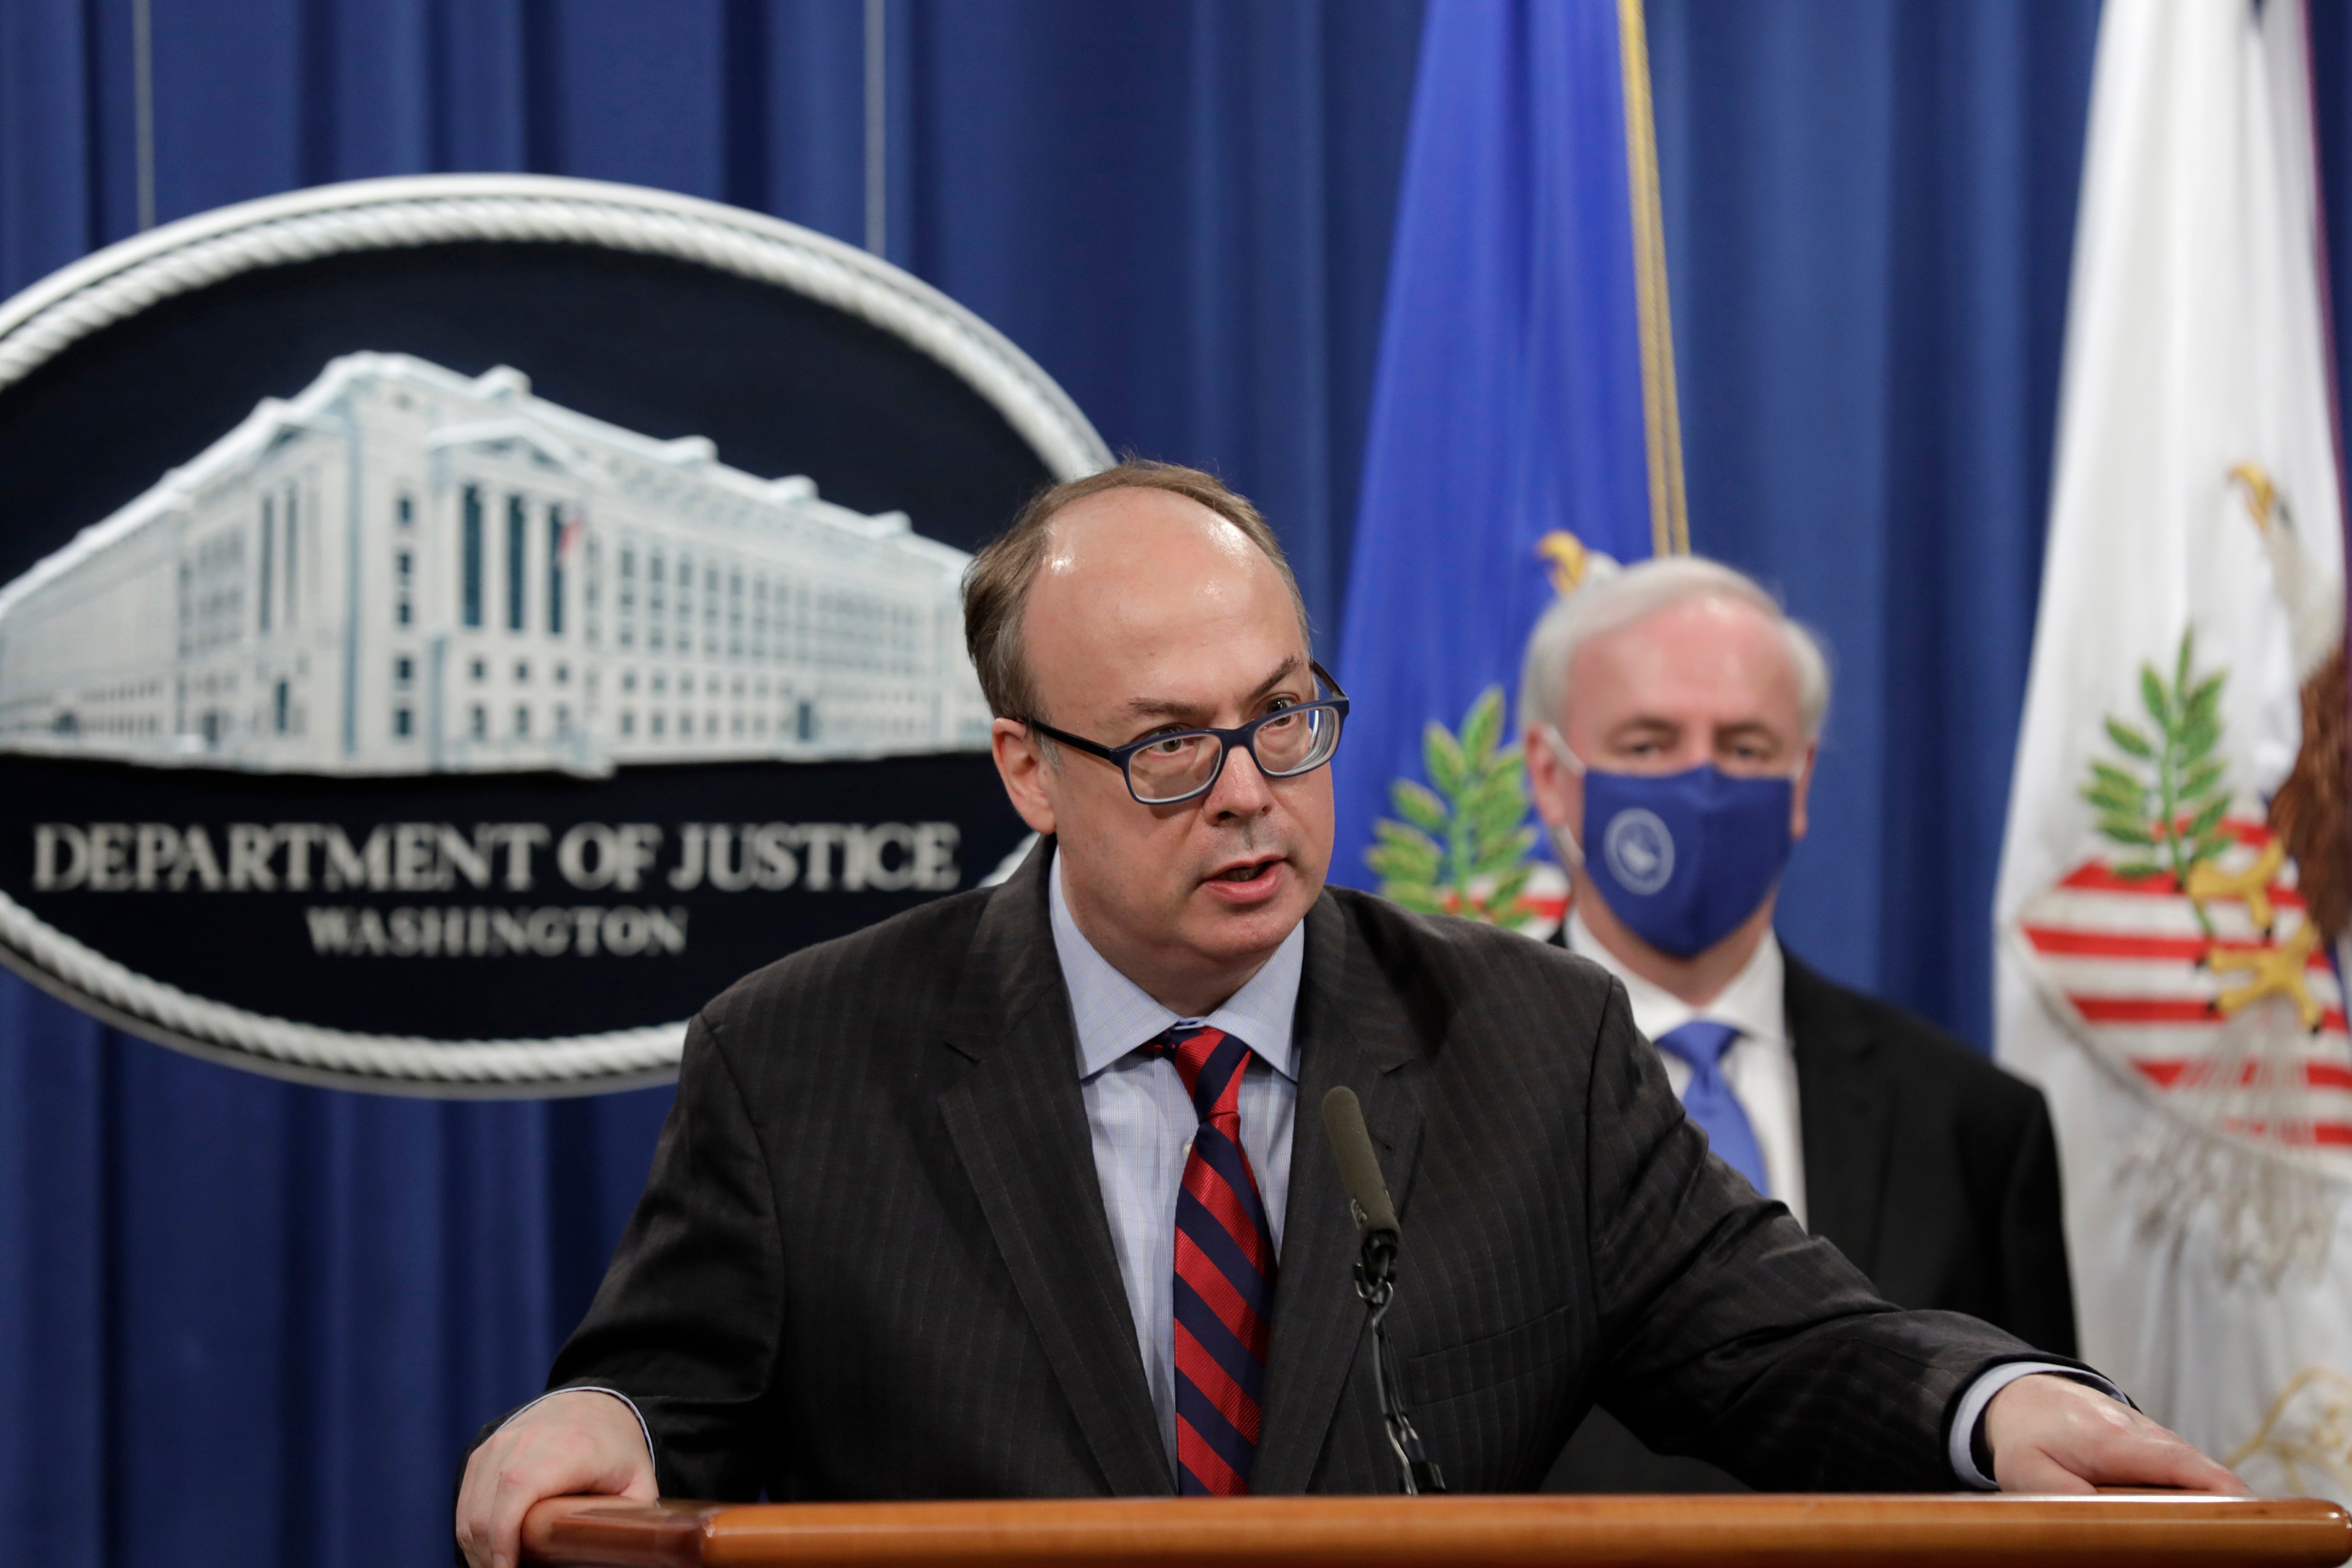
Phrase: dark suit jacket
[1930,1168]
[872,1258]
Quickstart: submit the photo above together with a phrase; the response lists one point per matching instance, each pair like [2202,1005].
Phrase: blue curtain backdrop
[247,1324]
[1869,218]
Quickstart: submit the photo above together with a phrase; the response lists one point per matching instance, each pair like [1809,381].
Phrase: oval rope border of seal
[192,253]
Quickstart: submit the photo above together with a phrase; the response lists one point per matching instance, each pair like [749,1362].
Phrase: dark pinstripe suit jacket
[872,1260]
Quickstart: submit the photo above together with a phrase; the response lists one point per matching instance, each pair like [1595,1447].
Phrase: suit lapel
[1845,1111]
[1346,1038]
[1018,1122]
[1846,1105]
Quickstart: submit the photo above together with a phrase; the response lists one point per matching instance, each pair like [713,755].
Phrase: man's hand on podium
[579,1442]
[2051,1434]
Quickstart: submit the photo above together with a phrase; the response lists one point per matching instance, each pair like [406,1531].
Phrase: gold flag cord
[1661,421]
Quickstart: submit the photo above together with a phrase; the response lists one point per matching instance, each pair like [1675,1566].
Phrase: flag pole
[1661,421]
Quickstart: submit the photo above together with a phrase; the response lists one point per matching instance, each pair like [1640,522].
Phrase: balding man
[1011,1195]
[1672,715]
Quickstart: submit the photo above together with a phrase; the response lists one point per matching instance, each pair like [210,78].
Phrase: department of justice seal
[1640,851]
[450,627]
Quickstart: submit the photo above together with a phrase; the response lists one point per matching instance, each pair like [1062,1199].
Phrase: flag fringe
[2274,1207]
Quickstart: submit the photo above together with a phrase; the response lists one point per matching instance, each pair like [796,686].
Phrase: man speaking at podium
[1011,1196]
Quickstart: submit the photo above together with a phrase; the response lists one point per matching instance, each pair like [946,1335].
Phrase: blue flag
[1508,414]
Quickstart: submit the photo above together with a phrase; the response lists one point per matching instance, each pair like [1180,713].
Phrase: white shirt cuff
[1961,1446]
[643,1430]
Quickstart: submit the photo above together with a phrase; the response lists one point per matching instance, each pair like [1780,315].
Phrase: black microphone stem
[1376,1285]
[1376,1228]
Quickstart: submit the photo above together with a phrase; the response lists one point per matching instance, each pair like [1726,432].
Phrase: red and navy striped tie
[1225,1274]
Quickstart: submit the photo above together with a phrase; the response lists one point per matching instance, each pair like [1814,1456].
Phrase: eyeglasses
[1164,768]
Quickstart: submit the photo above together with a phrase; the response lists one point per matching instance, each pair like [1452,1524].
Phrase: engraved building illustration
[407,570]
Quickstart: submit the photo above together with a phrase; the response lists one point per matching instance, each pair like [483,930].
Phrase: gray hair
[1611,603]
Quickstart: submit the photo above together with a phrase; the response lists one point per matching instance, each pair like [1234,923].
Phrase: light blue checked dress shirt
[1142,1121]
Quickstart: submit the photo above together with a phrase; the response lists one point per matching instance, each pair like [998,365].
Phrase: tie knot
[1701,1043]
[1209,1061]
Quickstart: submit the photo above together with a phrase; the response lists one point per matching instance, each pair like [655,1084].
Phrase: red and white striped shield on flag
[2166,988]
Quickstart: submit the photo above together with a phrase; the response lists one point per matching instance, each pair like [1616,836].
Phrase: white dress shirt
[1143,1122]
[1761,1067]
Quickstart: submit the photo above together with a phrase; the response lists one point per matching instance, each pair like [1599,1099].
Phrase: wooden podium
[1838,1531]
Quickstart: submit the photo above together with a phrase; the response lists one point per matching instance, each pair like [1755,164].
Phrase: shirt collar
[1114,1014]
[1752,1003]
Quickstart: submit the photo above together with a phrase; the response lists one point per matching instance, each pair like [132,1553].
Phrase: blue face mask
[1683,858]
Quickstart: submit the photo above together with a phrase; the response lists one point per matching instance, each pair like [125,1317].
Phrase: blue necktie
[1709,1100]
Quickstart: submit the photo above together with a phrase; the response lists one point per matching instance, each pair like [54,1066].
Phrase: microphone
[1377,1233]
[1360,1168]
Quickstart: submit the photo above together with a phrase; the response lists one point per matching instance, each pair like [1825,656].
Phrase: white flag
[2174,877]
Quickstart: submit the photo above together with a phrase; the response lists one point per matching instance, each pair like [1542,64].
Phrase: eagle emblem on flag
[2195,949]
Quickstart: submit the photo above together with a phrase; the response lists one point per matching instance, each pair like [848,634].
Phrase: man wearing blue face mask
[1672,717]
